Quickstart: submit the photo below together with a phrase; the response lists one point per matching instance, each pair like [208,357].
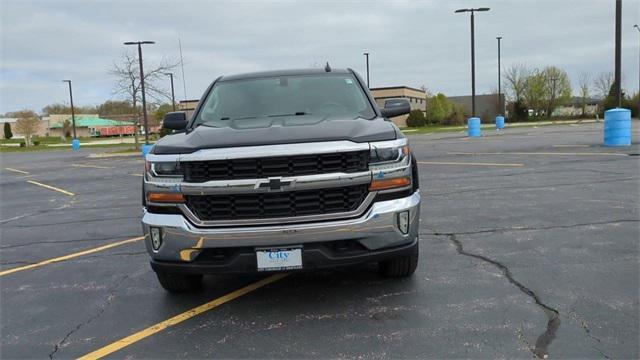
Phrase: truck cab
[287,170]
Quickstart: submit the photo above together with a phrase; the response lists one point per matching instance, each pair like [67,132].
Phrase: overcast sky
[411,43]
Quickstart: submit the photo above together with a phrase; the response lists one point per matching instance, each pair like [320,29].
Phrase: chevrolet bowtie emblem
[274,183]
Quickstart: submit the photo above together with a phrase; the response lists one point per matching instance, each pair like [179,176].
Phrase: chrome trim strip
[244,186]
[295,219]
[247,152]
[390,143]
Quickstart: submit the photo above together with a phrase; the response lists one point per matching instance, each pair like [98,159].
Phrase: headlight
[171,169]
[388,155]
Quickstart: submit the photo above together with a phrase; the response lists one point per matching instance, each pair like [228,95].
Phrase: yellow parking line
[540,153]
[136,174]
[131,339]
[70,256]
[51,187]
[16,170]
[92,166]
[466,163]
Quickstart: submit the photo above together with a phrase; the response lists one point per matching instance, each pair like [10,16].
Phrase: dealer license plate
[279,259]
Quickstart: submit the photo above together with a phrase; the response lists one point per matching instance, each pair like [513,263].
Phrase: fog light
[156,238]
[403,222]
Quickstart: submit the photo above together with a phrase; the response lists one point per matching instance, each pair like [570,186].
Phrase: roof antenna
[327,68]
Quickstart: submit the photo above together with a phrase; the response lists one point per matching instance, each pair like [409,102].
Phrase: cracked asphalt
[532,261]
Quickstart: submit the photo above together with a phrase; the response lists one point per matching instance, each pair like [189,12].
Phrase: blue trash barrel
[499,122]
[473,127]
[75,144]
[145,149]
[617,127]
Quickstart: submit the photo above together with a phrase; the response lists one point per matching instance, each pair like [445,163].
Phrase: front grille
[277,205]
[258,168]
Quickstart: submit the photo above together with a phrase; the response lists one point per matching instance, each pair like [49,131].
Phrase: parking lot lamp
[73,115]
[499,78]
[144,100]
[473,55]
[173,97]
[367,56]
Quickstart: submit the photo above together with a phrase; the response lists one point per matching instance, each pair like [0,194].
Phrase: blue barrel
[473,127]
[146,149]
[617,127]
[499,122]
[75,144]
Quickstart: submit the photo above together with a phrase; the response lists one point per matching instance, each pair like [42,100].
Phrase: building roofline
[396,87]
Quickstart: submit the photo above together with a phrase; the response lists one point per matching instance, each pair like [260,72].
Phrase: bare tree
[127,74]
[585,88]
[27,124]
[603,83]
[516,77]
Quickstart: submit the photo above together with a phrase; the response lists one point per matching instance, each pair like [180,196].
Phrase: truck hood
[282,130]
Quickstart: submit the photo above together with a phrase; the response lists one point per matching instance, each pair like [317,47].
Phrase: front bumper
[376,235]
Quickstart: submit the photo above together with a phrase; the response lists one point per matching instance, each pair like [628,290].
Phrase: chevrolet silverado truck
[281,171]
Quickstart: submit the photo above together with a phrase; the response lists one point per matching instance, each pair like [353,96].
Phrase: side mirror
[175,120]
[395,107]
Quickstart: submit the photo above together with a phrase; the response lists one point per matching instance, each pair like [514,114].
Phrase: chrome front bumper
[376,229]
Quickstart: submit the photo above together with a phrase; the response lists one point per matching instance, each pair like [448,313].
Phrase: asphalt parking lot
[529,248]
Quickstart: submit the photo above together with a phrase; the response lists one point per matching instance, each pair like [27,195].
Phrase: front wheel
[403,266]
[179,283]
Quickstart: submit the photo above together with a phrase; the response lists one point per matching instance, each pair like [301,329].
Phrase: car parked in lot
[278,171]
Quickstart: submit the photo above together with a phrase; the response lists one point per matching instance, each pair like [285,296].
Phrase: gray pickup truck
[281,171]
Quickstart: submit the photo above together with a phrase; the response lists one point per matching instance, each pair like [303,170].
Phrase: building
[42,130]
[87,126]
[487,106]
[417,99]
[574,108]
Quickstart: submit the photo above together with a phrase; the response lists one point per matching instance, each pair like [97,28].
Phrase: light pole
[173,97]
[73,115]
[618,70]
[473,56]
[144,100]
[638,28]
[367,56]
[499,78]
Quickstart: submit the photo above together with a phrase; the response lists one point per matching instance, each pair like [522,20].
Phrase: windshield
[323,96]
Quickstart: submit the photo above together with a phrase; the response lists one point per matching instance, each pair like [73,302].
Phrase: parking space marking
[540,153]
[92,166]
[467,163]
[136,174]
[70,256]
[571,146]
[131,339]
[17,171]
[51,187]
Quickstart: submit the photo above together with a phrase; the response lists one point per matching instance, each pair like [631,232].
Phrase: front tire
[403,266]
[179,283]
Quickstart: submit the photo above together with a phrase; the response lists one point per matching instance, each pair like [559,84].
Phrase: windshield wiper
[297,113]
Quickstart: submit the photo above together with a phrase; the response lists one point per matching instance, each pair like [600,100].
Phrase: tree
[557,88]
[127,74]
[7,131]
[416,119]
[603,83]
[516,77]
[438,109]
[585,88]
[57,108]
[27,124]
[159,116]
[66,129]
[117,107]
[535,92]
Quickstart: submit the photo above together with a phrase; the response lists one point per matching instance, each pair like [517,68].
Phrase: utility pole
[638,28]
[367,56]
[552,99]
[73,115]
[144,100]
[173,97]
[499,78]
[618,70]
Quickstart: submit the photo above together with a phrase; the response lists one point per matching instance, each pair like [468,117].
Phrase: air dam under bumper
[376,233]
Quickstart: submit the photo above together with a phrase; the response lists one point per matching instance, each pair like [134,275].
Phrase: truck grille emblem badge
[274,183]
